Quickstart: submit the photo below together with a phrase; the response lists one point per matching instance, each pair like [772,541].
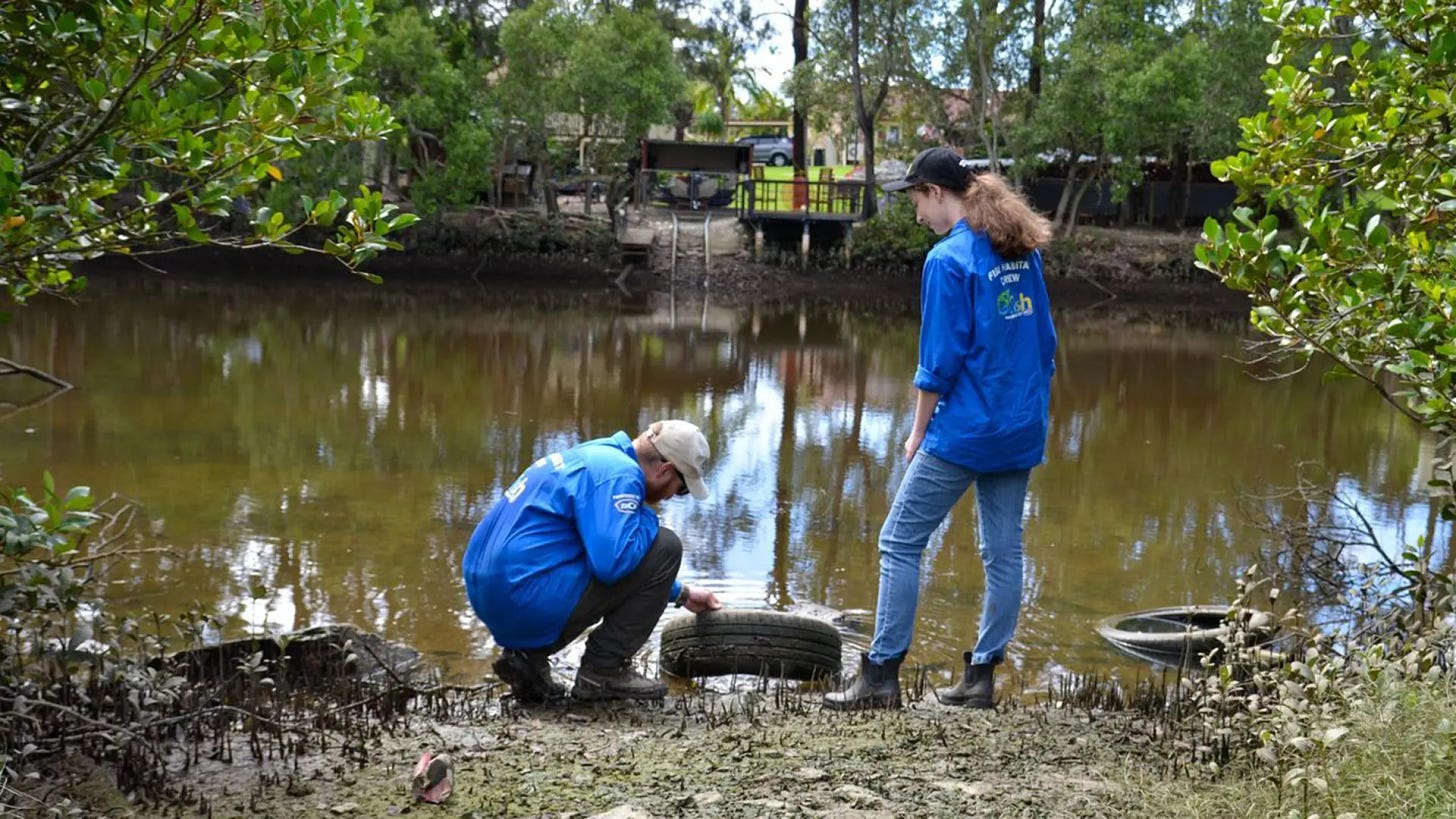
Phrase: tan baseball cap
[683,445]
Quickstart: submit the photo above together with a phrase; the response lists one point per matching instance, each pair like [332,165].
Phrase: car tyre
[767,643]
[1179,631]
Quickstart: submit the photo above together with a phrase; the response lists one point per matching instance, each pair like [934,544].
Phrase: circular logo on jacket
[626,504]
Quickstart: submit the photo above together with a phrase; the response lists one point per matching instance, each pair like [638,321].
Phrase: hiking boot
[620,683]
[529,676]
[877,685]
[975,688]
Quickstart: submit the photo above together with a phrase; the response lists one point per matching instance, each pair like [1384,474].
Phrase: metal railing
[710,190]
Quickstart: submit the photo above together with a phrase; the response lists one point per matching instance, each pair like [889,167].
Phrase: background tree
[611,69]
[1069,120]
[1130,79]
[622,78]
[981,64]
[1355,153]
[1206,79]
[126,125]
[800,34]
[533,87]
[448,140]
[868,48]
[715,51]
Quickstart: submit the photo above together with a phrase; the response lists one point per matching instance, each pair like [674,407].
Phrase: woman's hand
[912,445]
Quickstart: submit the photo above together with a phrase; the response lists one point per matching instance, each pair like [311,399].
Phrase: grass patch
[1399,759]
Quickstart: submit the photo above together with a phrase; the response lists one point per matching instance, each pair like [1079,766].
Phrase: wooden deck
[754,198]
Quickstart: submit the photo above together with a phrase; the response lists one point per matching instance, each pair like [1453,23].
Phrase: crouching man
[573,541]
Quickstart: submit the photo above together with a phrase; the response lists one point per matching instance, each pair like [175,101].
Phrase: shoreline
[1104,269]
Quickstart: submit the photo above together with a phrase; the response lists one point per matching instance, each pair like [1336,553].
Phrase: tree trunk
[984,97]
[1071,223]
[871,206]
[542,170]
[1178,181]
[801,55]
[1069,228]
[1038,48]
[865,114]
[1065,199]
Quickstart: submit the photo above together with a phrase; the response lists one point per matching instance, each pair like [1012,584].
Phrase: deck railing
[751,196]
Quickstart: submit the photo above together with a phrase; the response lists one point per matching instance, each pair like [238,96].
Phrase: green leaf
[205,82]
[1443,48]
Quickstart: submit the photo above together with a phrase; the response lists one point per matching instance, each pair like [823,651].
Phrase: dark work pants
[628,609]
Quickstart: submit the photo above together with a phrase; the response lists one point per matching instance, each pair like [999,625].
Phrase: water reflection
[323,456]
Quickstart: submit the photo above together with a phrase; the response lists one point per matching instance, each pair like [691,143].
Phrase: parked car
[770,148]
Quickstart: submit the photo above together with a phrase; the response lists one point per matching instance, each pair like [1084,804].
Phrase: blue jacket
[988,348]
[570,517]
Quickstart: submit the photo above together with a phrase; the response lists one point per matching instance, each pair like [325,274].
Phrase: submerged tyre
[766,643]
[1179,630]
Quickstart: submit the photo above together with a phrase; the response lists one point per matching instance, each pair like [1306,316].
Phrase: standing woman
[987,350]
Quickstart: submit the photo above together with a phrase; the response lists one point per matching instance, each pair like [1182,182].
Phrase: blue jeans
[930,488]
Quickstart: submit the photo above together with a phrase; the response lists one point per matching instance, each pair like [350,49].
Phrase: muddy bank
[1115,269]
[747,755]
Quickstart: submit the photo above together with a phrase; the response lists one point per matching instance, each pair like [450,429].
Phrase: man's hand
[701,600]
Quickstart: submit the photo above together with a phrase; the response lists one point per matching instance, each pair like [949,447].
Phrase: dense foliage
[125,126]
[1345,247]
[1356,153]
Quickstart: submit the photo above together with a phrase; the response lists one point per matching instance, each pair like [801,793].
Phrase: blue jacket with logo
[570,517]
[988,348]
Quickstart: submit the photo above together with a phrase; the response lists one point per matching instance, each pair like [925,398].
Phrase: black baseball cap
[936,166]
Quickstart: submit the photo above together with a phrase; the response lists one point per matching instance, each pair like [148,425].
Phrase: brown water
[322,454]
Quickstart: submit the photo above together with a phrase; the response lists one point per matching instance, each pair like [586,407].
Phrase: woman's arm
[924,407]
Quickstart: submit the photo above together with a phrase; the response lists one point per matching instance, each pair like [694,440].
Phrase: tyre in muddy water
[766,643]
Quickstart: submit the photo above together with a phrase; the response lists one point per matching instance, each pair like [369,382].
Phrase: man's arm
[616,526]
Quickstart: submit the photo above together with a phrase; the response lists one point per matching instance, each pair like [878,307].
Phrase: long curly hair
[996,209]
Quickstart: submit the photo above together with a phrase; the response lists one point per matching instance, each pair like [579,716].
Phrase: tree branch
[40,170]
[20,369]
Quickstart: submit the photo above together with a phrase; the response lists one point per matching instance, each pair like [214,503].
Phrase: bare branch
[12,368]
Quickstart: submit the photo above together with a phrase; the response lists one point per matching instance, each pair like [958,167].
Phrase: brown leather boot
[975,690]
[620,683]
[875,686]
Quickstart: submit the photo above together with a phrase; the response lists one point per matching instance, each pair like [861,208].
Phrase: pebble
[343,808]
[811,774]
[623,812]
[707,798]
[967,788]
[858,795]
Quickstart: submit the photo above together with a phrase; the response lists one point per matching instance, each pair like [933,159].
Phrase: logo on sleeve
[626,504]
[516,489]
